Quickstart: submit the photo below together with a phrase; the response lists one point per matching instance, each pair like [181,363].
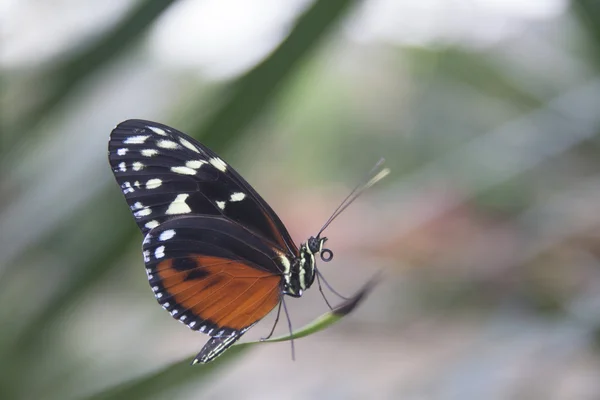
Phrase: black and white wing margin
[164,174]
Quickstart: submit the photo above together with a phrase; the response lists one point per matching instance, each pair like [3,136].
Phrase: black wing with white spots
[165,174]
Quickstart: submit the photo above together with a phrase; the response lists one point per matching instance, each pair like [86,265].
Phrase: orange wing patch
[226,292]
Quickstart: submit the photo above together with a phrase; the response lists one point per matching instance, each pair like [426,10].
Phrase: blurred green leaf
[71,72]
[254,91]
[165,379]
[588,12]
[329,318]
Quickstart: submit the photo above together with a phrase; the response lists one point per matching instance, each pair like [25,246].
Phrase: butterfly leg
[274,324]
[321,290]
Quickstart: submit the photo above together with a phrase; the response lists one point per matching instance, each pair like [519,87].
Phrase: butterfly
[217,256]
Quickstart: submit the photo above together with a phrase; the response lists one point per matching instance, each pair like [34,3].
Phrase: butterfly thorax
[302,271]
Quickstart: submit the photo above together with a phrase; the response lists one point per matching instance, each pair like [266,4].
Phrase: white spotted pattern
[127,188]
[149,152]
[195,164]
[153,183]
[183,170]
[188,145]
[218,164]
[167,144]
[137,166]
[166,235]
[122,167]
[220,204]
[158,131]
[159,252]
[136,139]
[238,196]
[178,206]
[146,259]
[191,325]
[143,212]
[122,151]
[137,205]
[137,184]
[151,224]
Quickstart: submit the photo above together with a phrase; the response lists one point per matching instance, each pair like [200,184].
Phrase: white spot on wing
[159,252]
[122,151]
[183,170]
[238,196]
[153,183]
[137,166]
[143,212]
[136,139]
[137,184]
[158,131]
[195,164]
[167,144]
[151,224]
[137,205]
[122,167]
[218,164]
[146,259]
[149,152]
[127,188]
[178,205]
[187,144]
[191,325]
[220,204]
[166,235]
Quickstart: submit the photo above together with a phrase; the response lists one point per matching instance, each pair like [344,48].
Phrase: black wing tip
[216,346]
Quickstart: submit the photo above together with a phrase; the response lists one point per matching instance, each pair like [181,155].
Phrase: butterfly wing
[165,174]
[212,275]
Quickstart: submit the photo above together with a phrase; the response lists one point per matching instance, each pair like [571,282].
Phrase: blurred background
[487,230]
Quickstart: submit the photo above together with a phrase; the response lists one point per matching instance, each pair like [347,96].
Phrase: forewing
[165,174]
[212,275]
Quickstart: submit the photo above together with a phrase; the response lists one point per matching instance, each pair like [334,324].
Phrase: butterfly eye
[326,255]
[313,244]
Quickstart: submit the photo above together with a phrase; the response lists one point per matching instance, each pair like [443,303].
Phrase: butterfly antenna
[274,324]
[375,175]
[290,328]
